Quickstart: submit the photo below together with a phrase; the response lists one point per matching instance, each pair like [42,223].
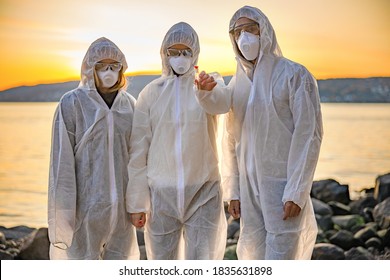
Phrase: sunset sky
[44,41]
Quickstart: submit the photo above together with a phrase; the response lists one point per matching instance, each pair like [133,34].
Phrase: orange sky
[44,41]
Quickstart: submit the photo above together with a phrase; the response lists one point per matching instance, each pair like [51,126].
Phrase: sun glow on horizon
[46,45]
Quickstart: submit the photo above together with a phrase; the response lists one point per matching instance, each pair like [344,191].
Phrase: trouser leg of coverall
[162,243]
[203,235]
[251,243]
[122,244]
[295,244]
[281,246]
[89,251]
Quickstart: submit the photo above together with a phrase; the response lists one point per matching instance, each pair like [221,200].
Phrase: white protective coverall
[173,169]
[271,146]
[88,169]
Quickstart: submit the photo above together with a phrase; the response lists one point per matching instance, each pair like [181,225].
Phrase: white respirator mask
[249,45]
[180,64]
[108,78]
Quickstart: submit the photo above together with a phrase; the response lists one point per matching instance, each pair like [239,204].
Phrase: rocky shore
[348,229]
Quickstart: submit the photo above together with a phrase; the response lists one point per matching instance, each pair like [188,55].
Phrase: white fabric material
[271,147]
[249,45]
[108,78]
[180,64]
[173,170]
[88,174]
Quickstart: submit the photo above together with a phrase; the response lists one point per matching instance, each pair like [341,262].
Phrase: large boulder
[358,253]
[321,208]
[330,190]
[382,187]
[325,251]
[37,248]
[381,213]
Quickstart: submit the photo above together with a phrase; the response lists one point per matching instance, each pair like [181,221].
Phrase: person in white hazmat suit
[174,180]
[273,133]
[88,168]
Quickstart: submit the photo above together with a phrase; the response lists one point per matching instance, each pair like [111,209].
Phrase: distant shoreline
[337,90]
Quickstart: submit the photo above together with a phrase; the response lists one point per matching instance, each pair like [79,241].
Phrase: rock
[348,221]
[339,208]
[3,240]
[230,253]
[381,213]
[330,233]
[384,234]
[324,222]
[374,242]
[382,187]
[4,255]
[321,237]
[321,208]
[358,253]
[233,227]
[357,206]
[344,239]
[16,232]
[38,248]
[367,214]
[325,251]
[366,233]
[330,190]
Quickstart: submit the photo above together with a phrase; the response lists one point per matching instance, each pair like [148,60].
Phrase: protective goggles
[176,52]
[252,27]
[102,67]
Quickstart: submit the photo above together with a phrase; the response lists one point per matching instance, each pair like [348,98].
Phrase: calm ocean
[355,150]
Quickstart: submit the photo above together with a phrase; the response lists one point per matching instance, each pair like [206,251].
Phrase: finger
[209,79]
[204,79]
[210,86]
[238,212]
[287,211]
[202,75]
[232,210]
[207,82]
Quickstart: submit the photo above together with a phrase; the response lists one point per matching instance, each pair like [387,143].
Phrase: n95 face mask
[180,64]
[108,78]
[249,45]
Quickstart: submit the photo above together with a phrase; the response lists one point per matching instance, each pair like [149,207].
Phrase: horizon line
[158,73]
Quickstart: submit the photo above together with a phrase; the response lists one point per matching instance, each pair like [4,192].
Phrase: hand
[205,82]
[138,219]
[291,210]
[234,209]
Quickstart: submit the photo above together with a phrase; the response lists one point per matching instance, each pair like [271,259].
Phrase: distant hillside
[373,90]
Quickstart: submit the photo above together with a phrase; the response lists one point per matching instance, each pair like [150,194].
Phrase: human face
[107,72]
[247,25]
[180,58]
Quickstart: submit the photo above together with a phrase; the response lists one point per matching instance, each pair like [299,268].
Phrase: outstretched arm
[213,95]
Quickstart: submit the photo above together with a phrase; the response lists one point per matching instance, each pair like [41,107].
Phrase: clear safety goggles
[252,28]
[176,52]
[102,67]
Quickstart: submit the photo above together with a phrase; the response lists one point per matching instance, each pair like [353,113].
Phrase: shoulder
[71,97]
[294,69]
[154,88]
[126,99]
